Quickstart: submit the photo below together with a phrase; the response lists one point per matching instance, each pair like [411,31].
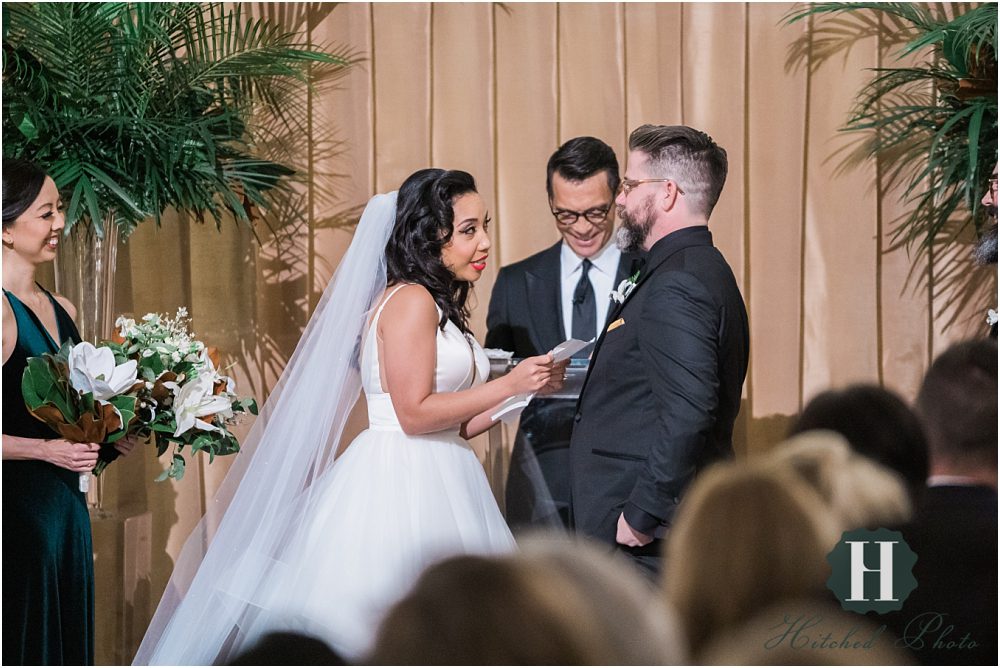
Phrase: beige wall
[494,90]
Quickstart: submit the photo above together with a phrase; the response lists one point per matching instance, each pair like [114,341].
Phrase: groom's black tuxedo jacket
[663,390]
[525,314]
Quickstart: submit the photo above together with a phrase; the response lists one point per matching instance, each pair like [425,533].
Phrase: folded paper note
[509,410]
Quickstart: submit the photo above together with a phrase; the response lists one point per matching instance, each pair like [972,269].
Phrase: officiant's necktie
[584,309]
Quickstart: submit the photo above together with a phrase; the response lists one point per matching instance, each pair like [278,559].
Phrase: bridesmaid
[48,563]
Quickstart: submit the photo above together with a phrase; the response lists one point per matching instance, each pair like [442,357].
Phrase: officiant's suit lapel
[545,312]
[525,314]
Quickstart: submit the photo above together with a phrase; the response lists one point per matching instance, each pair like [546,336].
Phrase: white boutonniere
[624,288]
[992,317]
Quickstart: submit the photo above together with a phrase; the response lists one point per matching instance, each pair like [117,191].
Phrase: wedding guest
[666,376]
[634,618]
[558,293]
[985,252]
[48,559]
[954,529]
[745,537]
[289,649]
[535,608]
[877,424]
[858,491]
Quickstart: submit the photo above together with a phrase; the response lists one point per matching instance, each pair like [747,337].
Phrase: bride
[294,541]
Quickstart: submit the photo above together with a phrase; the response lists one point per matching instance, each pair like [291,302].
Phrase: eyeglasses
[594,216]
[627,185]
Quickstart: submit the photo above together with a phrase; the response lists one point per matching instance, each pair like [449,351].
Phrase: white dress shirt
[602,278]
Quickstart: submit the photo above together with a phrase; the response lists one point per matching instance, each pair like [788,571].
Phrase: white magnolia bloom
[94,370]
[195,400]
[209,371]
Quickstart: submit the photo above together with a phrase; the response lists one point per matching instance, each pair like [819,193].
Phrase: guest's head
[745,536]
[957,404]
[877,424]
[581,179]
[482,610]
[673,180]
[857,490]
[289,649]
[986,247]
[636,625]
[517,610]
[440,239]
[32,213]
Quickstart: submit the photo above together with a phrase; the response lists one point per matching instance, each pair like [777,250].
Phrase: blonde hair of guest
[860,492]
[525,609]
[745,537]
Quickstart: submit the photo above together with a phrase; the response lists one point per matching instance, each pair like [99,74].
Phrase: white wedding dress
[391,505]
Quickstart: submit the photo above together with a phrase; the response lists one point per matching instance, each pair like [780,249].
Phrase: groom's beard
[985,251]
[632,233]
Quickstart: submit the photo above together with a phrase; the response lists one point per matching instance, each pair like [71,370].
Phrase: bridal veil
[215,594]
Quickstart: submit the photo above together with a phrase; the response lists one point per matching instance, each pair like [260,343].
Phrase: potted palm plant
[930,122]
[137,108]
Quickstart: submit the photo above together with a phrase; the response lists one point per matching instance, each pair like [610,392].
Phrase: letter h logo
[871,570]
[858,569]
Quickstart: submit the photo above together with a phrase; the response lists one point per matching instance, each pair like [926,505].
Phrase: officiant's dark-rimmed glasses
[594,216]
[627,185]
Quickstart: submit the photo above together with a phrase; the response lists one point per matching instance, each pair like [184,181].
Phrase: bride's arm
[408,329]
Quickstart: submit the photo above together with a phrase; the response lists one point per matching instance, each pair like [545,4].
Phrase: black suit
[525,317]
[954,535]
[662,394]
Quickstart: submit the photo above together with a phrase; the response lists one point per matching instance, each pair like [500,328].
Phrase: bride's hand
[532,374]
[556,379]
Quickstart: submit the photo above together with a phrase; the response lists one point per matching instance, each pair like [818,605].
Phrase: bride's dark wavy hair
[424,225]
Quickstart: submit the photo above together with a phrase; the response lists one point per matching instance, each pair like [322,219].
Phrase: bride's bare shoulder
[411,303]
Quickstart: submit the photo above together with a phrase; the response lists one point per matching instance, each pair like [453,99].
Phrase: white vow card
[510,409]
[568,348]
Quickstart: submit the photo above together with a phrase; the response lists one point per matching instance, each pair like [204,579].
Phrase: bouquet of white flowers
[154,381]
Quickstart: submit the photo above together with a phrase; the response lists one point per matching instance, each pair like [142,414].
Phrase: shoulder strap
[66,327]
[385,301]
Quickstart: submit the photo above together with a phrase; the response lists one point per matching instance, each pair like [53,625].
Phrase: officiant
[559,293]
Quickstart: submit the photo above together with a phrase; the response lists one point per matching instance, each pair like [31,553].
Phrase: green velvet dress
[48,558]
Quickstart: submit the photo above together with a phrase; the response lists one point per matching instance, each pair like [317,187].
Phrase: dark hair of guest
[425,216]
[579,159]
[288,648]
[957,403]
[877,423]
[22,181]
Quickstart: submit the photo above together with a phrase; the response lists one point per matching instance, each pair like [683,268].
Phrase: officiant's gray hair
[685,155]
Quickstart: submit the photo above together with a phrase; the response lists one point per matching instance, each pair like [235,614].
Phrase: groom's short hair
[685,155]
[579,159]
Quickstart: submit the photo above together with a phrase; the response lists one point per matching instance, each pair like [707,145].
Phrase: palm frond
[141,107]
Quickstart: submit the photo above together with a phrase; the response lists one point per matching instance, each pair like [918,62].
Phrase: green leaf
[975,125]
[28,128]
[144,106]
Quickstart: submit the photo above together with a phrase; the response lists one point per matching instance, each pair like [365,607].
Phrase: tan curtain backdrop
[493,89]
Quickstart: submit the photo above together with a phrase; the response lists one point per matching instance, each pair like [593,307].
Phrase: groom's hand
[629,536]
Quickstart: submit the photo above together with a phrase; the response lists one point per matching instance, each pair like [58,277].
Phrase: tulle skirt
[391,505]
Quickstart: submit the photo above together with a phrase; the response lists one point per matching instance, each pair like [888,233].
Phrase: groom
[666,376]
